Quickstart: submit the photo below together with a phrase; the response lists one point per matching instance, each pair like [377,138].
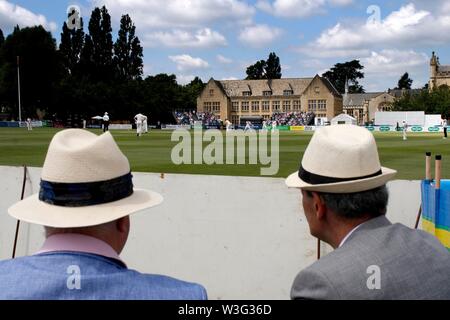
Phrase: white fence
[241,237]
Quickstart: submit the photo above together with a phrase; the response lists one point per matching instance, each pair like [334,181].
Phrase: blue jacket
[79,275]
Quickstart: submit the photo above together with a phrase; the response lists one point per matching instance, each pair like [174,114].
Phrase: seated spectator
[84,202]
[344,199]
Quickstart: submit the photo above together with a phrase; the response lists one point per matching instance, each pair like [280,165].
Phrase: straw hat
[85,181]
[341,159]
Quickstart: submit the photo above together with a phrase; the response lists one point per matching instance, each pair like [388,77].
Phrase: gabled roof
[358,99]
[234,88]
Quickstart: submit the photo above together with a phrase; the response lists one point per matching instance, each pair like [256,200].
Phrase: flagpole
[18,90]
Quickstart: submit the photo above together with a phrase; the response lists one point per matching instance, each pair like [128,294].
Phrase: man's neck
[340,230]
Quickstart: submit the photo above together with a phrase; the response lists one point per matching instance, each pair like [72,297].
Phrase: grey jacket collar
[371,224]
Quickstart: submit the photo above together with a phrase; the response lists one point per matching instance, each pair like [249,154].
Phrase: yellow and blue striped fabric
[436,210]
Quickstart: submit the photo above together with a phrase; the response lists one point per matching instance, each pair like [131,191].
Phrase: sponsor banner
[297,128]
[415,129]
[283,128]
[175,126]
[120,126]
[310,128]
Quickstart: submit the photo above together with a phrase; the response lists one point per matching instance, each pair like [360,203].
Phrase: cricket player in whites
[228,125]
[405,128]
[139,120]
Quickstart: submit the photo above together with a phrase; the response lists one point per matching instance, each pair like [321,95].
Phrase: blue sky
[220,38]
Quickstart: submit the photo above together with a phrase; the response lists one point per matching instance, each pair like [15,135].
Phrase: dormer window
[267,93]
[246,93]
[288,92]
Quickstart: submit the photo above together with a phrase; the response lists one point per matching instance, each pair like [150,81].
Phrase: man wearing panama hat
[344,200]
[85,199]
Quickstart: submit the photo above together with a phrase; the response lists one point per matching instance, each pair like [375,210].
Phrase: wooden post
[18,221]
[427,177]
[438,171]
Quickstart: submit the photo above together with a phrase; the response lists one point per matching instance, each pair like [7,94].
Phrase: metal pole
[18,89]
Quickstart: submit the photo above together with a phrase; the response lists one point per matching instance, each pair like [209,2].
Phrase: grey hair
[358,204]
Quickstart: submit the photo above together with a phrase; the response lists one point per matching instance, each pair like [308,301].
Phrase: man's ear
[319,206]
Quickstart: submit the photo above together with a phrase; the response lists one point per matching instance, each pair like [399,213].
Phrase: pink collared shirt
[78,243]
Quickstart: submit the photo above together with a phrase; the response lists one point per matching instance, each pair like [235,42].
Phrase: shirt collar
[78,243]
[349,234]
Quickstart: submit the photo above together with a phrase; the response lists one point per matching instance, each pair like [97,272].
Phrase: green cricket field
[152,152]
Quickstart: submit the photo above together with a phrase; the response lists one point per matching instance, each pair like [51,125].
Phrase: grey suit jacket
[379,260]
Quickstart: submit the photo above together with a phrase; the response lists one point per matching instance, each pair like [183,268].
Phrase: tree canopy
[405,82]
[350,71]
[265,69]
[87,75]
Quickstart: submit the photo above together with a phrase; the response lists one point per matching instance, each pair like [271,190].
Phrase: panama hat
[85,181]
[340,159]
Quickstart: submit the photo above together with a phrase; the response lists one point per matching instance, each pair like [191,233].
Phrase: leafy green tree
[100,32]
[128,51]
[405,82]
[434,102]
[39,70]
[348,71]
[265,69]
[273,67]
[2,38]
[72,42]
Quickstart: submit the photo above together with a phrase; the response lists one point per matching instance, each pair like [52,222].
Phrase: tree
[434,102]
[265,69]
[128,51]
[190,92]
[405,82]
[273,68]
[72,41]
[39,70]
[2,38]
[256,71]
[100,33]
[348,71]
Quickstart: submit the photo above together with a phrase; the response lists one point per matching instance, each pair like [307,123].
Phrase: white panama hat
[340,159]
[85,181]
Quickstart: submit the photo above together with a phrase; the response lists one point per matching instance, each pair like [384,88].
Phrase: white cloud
[298,8]
[12,15]
[186,62]
[403,28]
[259,35]
[224,60]
[179,13]
[184,79]
[384,68]
[229,78]
[203,38]
[394,62]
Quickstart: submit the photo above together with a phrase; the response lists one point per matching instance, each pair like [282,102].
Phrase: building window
[235,106]
[266,105]
[312,105]
[297,105]
[286,105]
[216,106]
[235,120]
[255,106]
[246,93]
[211,92]
[207,107]
[288,92]
[266,117]
[244,106]
[316,89]
[267,93]
[275,105]
[322,104]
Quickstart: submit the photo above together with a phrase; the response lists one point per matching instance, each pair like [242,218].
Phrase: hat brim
[32,210]
[293,181]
